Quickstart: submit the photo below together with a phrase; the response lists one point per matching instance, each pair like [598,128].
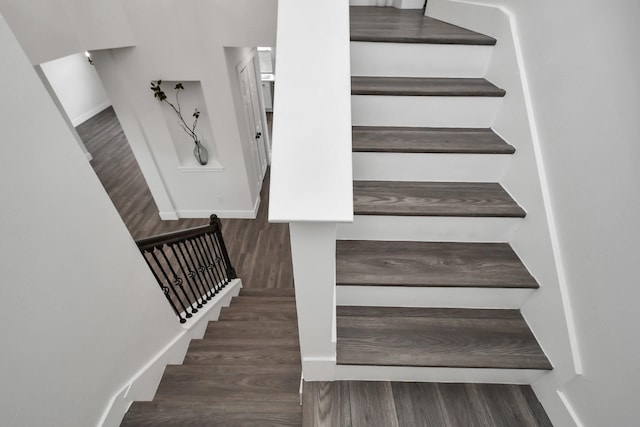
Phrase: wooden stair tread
[456,338]
[225,413]
[261,301]
[268,292]
[459,199]
[438,264]
[388,24]
[247,329]
[424,86]
[253,312]
[208,384]
[201,352]
[428,140]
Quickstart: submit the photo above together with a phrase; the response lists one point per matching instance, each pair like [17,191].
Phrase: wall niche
[190,99]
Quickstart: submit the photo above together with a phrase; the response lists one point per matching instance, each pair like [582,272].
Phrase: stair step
[245,332]
[203,352]
[385,263]
[242,412]
[271,292]
[387,24]
[424,111]
[432,337]
[390,139]
[219,384]
[254,312]
[424,86]
[243,300]
[458,199]
[418,60]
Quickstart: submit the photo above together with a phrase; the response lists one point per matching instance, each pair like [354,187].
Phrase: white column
[313,249]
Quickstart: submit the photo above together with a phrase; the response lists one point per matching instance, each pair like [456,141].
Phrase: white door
[253,115]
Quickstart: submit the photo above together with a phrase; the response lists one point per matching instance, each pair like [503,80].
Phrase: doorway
[253,112]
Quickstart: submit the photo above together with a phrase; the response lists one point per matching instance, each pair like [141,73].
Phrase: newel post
[313,249]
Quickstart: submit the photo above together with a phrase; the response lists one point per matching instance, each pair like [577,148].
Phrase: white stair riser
[429,167]
[441,375]
[407,296]
[426,111]
[398,4]
[419,60]
[429,229]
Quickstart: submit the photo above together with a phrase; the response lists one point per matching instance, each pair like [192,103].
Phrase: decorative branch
[162,97]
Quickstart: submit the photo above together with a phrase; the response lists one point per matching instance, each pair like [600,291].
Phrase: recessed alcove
[190,98]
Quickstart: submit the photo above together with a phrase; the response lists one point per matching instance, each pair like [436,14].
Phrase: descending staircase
[428,287]
[245,371]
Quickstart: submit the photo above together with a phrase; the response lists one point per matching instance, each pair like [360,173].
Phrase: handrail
[191,266]
[311,164]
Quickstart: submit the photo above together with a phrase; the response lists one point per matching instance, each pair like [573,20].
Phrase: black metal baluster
[165,289]
[210,264]
[177,282]
[205,270]
[197,275]
[181,263]
[210,242]
[200,258]
[206,282]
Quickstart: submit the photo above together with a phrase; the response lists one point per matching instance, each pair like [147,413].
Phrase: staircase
[428,287]
[245,371]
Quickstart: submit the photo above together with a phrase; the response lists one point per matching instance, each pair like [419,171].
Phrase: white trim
[441,375]
[88,155]
[143,385]
[319,368]
[407,296]
[92,112]
[211,166]
[569,408]
[546,196]
[168,215]
[247,214]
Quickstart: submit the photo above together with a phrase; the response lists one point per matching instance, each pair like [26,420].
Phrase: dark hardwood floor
[259,251]
[385,404]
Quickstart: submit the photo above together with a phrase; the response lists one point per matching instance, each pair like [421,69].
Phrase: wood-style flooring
[384,404]
[376,24]
[459,199]
[430,264]
[424,86]
[389,139]
[436,337]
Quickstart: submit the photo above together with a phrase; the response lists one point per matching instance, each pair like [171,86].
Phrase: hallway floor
[259,251]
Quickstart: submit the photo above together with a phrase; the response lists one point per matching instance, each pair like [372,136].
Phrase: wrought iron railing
[191,266]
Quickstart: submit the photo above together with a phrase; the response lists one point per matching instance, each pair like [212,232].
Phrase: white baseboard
[142,386]
[248,214]
[439,375]
[92,112]
[168,215]
[89,156]
[404,296]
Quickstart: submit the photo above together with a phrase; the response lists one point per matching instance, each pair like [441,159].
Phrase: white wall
[77,86]
[49,30]
[194,53]
[582,66]
[81,311]
[173,43]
